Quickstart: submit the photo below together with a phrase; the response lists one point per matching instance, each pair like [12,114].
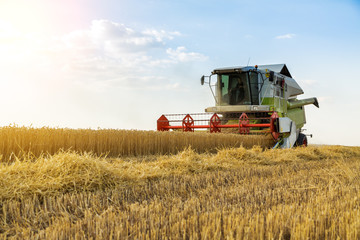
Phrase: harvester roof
[279,68]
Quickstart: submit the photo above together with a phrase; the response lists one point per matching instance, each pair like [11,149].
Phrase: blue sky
[121,64]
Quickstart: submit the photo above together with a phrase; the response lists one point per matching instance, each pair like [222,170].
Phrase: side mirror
[202,80]
[271,77]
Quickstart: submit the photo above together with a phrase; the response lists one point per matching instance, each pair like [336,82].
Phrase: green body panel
[298,116]
[296,113]
[276,104]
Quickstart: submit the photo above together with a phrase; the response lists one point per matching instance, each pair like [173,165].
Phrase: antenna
[248,62]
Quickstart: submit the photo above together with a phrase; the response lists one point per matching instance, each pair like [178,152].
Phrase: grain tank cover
[279,68]
[293,89]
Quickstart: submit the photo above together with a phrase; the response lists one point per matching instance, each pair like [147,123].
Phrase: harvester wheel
[302,140]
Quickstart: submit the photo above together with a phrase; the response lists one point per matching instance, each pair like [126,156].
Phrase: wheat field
[17,141]
[227,193]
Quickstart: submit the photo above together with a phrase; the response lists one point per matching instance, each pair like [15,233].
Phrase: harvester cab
[250,100]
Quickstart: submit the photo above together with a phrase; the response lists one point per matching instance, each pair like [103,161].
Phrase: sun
[43,17]
[21,16]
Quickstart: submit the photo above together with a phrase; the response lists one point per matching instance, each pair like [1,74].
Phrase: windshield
[239,89]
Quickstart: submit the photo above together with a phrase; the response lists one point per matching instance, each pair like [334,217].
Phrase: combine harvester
[250,100]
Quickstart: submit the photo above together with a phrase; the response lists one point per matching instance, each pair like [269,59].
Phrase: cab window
[235,89]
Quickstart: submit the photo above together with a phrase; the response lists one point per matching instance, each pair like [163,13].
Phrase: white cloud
[181,54]
[115,40]
[286,36]
[160,35]
[106,52]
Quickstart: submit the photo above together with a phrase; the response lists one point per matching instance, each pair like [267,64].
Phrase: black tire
[301,141]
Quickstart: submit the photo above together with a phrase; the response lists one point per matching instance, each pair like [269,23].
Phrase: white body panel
[286,125]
